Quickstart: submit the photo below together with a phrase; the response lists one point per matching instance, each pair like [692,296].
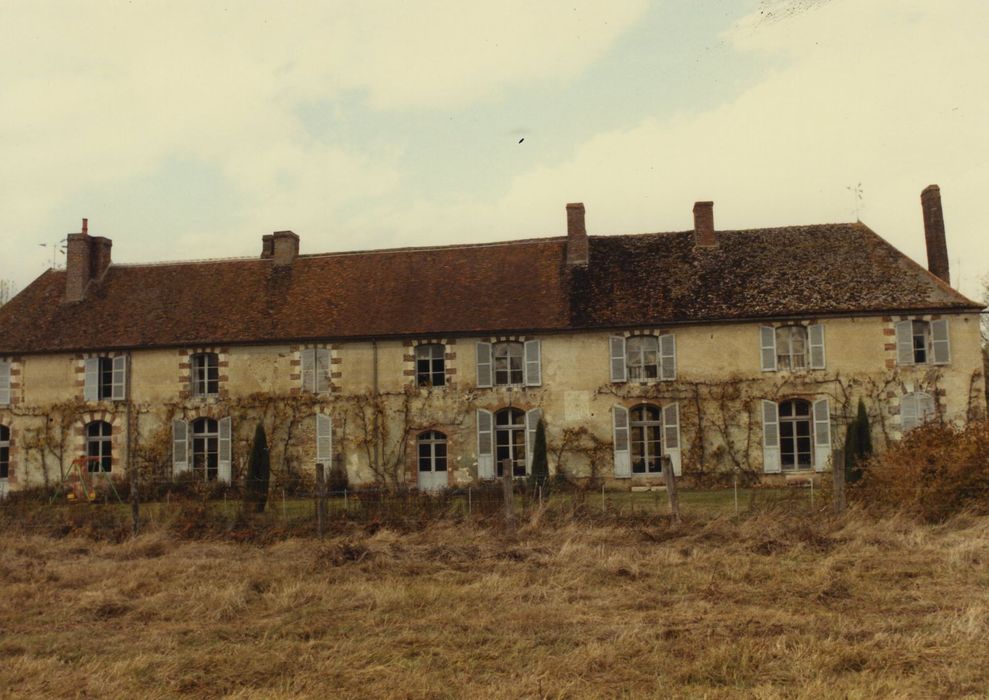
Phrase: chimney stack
[937,247]
[86,259]
[577,244]
[267,246]
[704,235]
[284,247]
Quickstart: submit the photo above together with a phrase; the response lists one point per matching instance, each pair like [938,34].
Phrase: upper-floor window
[5,382]
[916,409]
[643,357]
[315,370]
[430,365]
[922,342]
[4,451]
[205,374]
[99,446]
[792,347]
[509,363]
[105,378]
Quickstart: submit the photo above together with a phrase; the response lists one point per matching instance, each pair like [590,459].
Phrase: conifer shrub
[858,444]
[337,481]
[258,471]
[540,464]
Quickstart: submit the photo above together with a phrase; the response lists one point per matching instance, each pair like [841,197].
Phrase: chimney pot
[267,246]
[937,247]
[577,244]
[704,235]
[285,247]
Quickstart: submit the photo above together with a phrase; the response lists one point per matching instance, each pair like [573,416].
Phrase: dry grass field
[772,606]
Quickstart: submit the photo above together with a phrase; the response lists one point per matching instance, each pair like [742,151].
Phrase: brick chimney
[285,247]
[937,248]
[86,259]
[577,244]
[267,246]
[704,235]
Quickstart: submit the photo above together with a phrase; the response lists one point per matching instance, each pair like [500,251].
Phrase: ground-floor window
[646,426]
[4,451]
[432,452]
[205,448]
[796,431]
[99,444]
[510,440]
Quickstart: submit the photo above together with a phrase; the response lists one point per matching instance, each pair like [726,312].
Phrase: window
[646,425]
[510,441]
[4,451]
[315,370]
[205,448]
[791,347]
[796,444]
[916,409]
[99,446]
[922,342]
[430,365]
[205,374]
[105,378]
[642,353]
[432,452]
[508,363]
[642,358]
[4,382]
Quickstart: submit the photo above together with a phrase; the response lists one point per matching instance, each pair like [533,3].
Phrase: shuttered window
[430,365]
[315,370]
[205,374]
[922,342]
[105,378]
[4,382]
[916,408]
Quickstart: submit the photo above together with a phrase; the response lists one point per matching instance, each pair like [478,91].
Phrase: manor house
[727,351]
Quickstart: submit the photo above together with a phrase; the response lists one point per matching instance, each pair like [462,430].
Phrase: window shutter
[532,419]
[118,389]
[768,337]
[940,347]
[618,371]
[770,438]
[904,343]
[667,357]
[816,336]
[671,435]
[91,389]
[322,370]
[909,412]
[623,459]
[822,435]
[223,471]
[485,444]
[324,440]
[533,363]
[4,382]
[484,364]
[308,360]
[180,447]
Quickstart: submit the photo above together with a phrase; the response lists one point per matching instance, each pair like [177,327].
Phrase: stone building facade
[730,352]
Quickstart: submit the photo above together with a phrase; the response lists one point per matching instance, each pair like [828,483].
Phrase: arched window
[205,374]
[916,409]
[645,423]
[99,446]
[508,363]
[791,347]
[510,440]
[642,357]
[4,451]
[205,448]
[796,433]
[432,451]
[430,365]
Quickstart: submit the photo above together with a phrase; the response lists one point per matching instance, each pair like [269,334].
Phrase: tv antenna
[57,248]
[857,195]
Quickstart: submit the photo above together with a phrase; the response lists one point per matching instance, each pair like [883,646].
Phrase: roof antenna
[857,193]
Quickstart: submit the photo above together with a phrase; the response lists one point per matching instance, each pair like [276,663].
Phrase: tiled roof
[647,279]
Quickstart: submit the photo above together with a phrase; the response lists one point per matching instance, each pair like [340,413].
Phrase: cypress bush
[858,444]
[337,481]
[258,471]
[540,464]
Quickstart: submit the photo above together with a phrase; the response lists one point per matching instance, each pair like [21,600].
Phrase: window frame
[4,451]
[792,422]
[99,444]
[209,439]
[435,442]
[637,371]
[202,376]
[649,442]
[427,379]
[788,334]
[502,364]
[515,434]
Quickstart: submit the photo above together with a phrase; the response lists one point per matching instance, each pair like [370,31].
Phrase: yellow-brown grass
[773,606]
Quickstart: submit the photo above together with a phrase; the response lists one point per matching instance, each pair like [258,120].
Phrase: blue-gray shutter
[180,447]
[623,458]
[307,358]
[940,344]
[4,382]
[324,440]
[533,363]
[771,463]
[322,370]
[225,450]
[118,386]
[91,387]
[667,357]
[484,365]
[815,334]
[671,435]
[904,343]
[485,444]
[767,335]
[618,362]
[822,435]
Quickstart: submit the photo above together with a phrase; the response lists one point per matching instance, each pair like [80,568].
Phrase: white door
[431,461]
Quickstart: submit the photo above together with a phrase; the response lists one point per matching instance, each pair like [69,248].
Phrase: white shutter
[667,356]
[618,371]
[531,424]
[118,387]
[816,335]
[623,458]
[485,444]
[770,438]
[324,440]
[322,370]
[940,346]
[91,388]
[767,335]
[4,382]
[180,447]
[533,363]
[225,438]
[671,435]
[904,343]
[308,360]
[909,412]
[484,369]
[822,435]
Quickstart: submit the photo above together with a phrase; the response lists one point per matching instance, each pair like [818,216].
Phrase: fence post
[671,489]
[135,502]
[734,480]
[838,475]
[812,493]
[508,494]
[320,498]
[345,509]
[468,502]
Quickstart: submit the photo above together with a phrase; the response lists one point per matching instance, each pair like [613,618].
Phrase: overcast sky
[186,130]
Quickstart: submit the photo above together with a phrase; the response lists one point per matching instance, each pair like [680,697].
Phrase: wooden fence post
[508,493]
[671,489]
[838,475]
[320,498]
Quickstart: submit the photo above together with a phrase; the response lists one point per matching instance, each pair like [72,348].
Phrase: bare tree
[7,291]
